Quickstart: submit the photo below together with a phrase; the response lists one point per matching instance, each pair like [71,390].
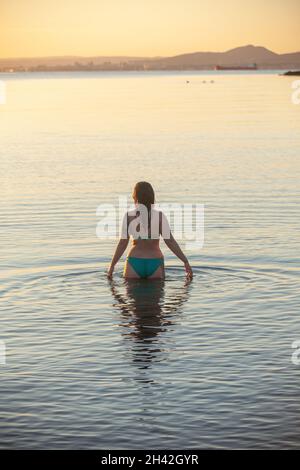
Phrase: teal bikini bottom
[145,267]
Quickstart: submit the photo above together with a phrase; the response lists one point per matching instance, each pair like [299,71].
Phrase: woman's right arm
[172,244]
[175,248]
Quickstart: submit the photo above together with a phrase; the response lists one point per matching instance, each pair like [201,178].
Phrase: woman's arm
[121,247]
[175,248]
[165,232]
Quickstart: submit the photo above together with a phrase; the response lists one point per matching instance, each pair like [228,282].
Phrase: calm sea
[91,364]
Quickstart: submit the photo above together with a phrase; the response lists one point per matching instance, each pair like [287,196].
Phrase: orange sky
[30,28]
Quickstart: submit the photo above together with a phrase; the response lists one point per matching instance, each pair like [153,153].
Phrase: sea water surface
[106,365]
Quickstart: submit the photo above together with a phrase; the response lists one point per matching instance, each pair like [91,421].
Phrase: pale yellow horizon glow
[33,28]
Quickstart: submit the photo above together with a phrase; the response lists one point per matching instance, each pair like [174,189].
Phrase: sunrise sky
[30,28]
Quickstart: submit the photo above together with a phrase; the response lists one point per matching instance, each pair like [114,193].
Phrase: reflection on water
[146,315]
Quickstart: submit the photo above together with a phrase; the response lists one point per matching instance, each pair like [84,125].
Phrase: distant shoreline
[280,71]
[240,57]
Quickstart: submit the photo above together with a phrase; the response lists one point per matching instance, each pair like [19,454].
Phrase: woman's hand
[188,270]
[110,271]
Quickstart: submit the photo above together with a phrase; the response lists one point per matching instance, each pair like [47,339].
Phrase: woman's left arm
[121,247]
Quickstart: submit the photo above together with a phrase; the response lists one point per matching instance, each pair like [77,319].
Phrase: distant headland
[245,57]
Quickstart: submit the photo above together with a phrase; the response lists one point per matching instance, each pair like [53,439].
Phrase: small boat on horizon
[293,73]
[237,67]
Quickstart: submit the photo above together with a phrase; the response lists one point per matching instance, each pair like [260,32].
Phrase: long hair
[143,193]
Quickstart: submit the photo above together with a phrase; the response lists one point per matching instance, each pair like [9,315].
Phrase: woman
[145,225]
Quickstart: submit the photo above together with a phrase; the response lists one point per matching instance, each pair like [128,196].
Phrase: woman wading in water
[145,225]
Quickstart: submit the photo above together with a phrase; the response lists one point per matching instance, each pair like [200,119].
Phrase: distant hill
[234,57]
[239,56]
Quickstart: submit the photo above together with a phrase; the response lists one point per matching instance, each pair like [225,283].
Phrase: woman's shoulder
[134,212]
[131,213]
